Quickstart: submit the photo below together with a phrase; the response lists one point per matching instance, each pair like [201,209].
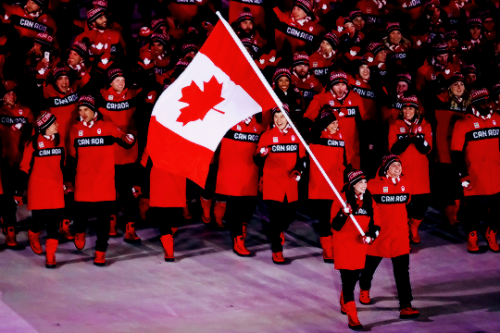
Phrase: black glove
[421,144]
[341,218]
[401,145]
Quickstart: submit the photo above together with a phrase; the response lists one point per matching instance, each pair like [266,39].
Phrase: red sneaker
[364,297]
[408,313]
[278,258]
[100,258]
[34,238]
[80,240]
[239,247]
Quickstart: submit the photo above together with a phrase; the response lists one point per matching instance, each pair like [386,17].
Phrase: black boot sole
[242,255]
[169,259]
[50,266]
[409,316]
[99,264]
[328,261]
[356,328]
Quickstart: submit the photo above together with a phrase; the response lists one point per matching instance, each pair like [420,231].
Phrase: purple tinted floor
[210,289]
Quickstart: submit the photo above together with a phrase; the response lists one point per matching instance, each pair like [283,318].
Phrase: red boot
[50,252]
[100,258]
[186,213]
[278,258]
[491,237]
[239,247]
[10,239]
[364,297]
[326,244]
[34,238]
[408,313]
[168,245]
[143,208]
[352,316]
[282,236]
[472,246]
[451,214]
[130,235]
[414,224]
[112,226]
[80,240]
[64,229]
[206,205]
[219,211]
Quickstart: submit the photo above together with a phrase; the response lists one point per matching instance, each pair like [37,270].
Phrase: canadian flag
[220,87]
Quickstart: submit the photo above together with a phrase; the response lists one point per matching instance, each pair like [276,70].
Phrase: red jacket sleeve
[25,165]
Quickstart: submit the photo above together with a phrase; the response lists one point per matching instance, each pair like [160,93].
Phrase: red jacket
[95,170]
[415,163]
[103,42]
[43,160]
[285,151]
[308,86]
[119,109]
[447,114]
[321,66]
[333,154]
[349,251]
[391,200]
[296,36]
[63,107]
[478,139]
[348,112]
[13,139]
[364,89]
[428,73]
[25,24]
[238,174]
[166,189]
[183,11]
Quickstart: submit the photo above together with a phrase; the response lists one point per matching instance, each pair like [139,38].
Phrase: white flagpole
[280,105]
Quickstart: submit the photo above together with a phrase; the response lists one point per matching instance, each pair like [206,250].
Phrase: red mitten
[136,191]
[295,174]
[18,200]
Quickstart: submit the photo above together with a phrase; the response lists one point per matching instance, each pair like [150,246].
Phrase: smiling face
[118,84]
[360,187]
[457,88]
[395,170]
[408,112]
[74,58]
[280,120]
[302,70]
[157,48]
[401,87]
[62,83]
[283,83]
[364,72]
[475,32]
[101,22]
[246,26]
[340,90]
[359,23]
[395,37]
[333,127]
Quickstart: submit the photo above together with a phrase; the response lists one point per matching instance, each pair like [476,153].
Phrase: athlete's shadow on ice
[448,305]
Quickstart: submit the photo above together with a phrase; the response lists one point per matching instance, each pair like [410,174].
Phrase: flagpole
[280,105]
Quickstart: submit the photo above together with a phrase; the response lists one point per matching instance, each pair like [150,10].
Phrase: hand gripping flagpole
[280,105]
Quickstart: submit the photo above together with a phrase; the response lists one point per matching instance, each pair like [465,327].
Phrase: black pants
[102,211]
[349,279]
[49,218]
[418,206]
[69,206]
[7,205]
[166,218]
[281,215]
[239,210]
[324,210]
[486,207]
[446,184]
[124,180]
[401,268]
[209,191]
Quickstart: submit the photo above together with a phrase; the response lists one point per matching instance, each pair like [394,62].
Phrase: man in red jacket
[391,192]
[346,104]
[91,166]
[30,19]
[303,79]
[476,157]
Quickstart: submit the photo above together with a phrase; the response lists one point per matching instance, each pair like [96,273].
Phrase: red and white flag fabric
[218,89]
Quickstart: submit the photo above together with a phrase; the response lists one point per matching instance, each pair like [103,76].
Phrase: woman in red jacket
[284,159]
[410,137]
[391,192]
[329,147]
[238,178]
[41,169]
[167,198]
[349,247]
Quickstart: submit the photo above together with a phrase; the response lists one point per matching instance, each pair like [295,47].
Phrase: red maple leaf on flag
[200,102]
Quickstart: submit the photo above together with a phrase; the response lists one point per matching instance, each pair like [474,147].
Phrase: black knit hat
[337,77]
[354,177]
[45,120]
[300,59]
[114,73]
[94,13]
[439,48]
[478,95]
[88,101]
[80,48]
[387,160]
[326,117]
[246,14]
[277,109]
[456,77]
[281,72]
[305,5]
[40,3]
[409,101]
[333,39]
